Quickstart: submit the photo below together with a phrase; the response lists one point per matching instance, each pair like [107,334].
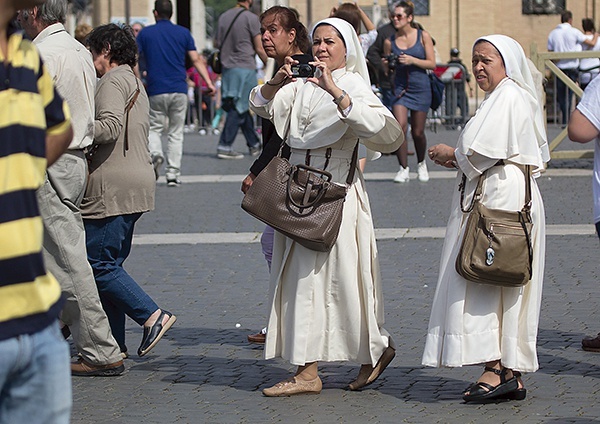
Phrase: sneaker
[229,154]
[402,176]
[202,131]
[422,173]
[173,182]
[216,131]
[157,162]
[255,150]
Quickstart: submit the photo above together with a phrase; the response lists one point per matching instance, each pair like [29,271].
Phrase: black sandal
[519,393]
[482,392]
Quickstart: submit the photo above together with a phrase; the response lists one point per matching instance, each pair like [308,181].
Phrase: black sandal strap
[501,373]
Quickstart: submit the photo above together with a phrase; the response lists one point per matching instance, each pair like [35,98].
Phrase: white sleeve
[473,165]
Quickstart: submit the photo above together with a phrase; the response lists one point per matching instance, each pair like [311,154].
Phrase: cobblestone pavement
[215,281]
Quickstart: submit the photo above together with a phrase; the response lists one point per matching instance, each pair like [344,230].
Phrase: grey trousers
[65,256]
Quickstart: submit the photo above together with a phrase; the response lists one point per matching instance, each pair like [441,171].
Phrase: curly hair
[119,41]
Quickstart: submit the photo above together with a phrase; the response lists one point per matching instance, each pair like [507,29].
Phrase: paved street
[198,255]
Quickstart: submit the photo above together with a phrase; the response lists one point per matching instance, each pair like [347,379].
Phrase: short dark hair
[163,8]
[119,41]
[566,16]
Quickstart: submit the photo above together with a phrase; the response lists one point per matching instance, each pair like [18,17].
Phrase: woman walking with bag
[474,323]
[413,55]
[328,306]
[121,185]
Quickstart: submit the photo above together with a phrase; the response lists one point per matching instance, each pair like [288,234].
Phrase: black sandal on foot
[483,392]
[519,393]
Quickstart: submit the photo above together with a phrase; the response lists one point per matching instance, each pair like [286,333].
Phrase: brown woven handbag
[496,247]
[300,201]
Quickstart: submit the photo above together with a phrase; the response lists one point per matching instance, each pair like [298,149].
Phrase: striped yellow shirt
[30,108]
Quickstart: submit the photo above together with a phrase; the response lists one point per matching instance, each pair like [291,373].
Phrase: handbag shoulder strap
[231,26]
[352,170]
[479,188]
[128,108]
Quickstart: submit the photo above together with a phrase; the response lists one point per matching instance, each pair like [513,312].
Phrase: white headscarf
[491,132]
[355,59]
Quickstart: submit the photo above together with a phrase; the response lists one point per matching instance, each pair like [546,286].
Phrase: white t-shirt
[565,38]
[589,106]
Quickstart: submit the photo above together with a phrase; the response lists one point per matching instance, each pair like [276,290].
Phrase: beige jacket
[121,181]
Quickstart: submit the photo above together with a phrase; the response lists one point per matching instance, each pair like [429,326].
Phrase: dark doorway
[183,13]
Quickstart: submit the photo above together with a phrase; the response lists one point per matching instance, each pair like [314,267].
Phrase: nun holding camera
[328,306]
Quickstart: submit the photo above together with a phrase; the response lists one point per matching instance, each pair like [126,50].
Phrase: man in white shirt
[565,38]
[583,128]
[65,255]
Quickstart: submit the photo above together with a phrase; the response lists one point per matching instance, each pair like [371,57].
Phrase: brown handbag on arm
[300,201]
[496,247]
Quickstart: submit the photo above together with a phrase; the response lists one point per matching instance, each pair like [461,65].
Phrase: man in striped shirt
[35,130]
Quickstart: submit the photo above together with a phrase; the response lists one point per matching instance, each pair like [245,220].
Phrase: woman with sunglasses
[409,54]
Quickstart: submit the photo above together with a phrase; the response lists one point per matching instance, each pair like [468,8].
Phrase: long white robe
[328,306]
[474,323]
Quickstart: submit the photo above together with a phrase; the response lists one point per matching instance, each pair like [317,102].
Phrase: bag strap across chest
[478,190]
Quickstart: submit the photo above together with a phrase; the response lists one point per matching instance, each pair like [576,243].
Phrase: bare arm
[202,70]
[57,144]
[365,19]
[258,48]
[581,130]
[591,41]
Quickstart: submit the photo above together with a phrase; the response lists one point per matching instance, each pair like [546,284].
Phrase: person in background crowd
[206,100]
[383,80]
[35,384]
[584,126]
[121,185]
[136,27]
[461,96]
[82,31]
[283,35]
[474,323]
[239,76]
[59,198]
[565,38]
[588,68]
[319,310]
[413,55]
[163,48]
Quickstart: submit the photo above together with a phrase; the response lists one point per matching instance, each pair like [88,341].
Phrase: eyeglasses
[399,16]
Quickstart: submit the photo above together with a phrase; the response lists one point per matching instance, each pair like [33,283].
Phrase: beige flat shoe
[294,386]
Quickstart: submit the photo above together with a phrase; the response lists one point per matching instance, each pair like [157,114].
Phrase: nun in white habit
[328,306]
[474,323]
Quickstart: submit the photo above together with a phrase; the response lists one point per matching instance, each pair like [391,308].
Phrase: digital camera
[392,59]
[303,69]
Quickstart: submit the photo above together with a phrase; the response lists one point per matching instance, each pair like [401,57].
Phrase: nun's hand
[322,76]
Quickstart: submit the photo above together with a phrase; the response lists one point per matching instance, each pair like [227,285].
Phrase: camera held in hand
[392,59]
[303,69]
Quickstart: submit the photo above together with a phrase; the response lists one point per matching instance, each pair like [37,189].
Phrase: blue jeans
[108,245]
[35,378]
[564,95]
[233,122]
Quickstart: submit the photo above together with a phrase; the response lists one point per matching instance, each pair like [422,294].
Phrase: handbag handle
[309,185]
[477,195]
